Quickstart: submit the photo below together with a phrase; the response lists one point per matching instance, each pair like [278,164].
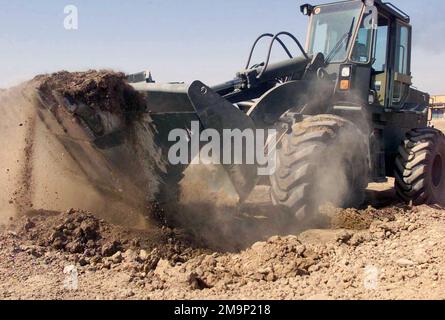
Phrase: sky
[207,40]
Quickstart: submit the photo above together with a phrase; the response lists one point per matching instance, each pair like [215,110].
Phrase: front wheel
[324,159]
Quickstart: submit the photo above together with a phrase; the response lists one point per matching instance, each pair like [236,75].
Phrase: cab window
[401,78]
[381,45]
[380,60]
[402,53]
[362,47]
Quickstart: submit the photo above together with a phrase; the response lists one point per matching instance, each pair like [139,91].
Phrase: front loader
[343,107]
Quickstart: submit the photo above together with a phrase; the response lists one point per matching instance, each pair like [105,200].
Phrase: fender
[305,96]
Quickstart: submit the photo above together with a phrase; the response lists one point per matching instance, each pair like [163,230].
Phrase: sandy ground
[439,124]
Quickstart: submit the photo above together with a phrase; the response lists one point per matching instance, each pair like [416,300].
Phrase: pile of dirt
[278,258]
[87,240]
[354,219]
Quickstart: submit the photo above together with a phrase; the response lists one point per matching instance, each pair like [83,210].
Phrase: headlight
[346,72]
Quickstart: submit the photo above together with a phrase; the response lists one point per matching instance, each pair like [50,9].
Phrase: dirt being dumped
[105,90]
[78,140]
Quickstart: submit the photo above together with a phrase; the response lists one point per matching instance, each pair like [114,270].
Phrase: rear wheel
[420,167]
[324,159]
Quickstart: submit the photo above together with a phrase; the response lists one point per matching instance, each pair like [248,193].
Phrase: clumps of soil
[101,90]
[277,258]
[354,219]
[89,241]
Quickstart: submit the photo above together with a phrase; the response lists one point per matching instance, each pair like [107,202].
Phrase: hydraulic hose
[269,35]
[271,46]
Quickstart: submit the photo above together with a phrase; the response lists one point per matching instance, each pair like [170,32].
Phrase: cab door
[381,59]
[401,79]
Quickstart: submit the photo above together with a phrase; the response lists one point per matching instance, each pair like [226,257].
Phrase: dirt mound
[278,258]
[88,240]
[354,219]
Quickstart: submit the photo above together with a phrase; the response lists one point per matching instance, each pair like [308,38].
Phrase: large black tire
[324,159]
[420,167]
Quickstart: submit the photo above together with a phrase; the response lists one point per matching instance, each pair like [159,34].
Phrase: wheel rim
[437,171]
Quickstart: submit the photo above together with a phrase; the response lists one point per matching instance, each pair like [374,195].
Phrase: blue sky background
[178,40]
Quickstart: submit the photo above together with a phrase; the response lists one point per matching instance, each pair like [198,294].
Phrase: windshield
[332,27]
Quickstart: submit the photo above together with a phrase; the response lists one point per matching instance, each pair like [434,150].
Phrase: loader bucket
[174,106]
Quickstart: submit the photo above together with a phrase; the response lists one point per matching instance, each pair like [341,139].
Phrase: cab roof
[386,7]
[392,10]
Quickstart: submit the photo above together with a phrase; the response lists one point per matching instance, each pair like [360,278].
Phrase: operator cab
[367,49]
